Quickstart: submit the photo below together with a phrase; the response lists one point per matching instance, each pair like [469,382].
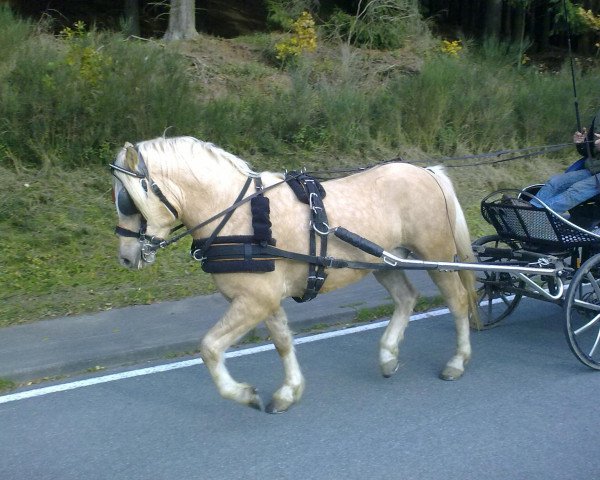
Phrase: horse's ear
[131,157]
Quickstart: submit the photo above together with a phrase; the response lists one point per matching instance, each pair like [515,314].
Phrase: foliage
[90,63]
[591,20]
[578,20]
[281,14]
[73,99]
[380,24]
[303,39]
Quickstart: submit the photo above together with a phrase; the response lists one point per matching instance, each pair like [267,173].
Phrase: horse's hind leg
[243,315]
[458,302]
[293,383]
[405,297]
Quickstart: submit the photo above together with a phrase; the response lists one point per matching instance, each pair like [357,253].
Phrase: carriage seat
[516,219]
[585,215]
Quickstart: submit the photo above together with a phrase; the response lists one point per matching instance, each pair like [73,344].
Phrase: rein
[517,154]
[235,205]
[317,262]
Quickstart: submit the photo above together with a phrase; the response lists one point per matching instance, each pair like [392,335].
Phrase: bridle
[151,244]
[126,206]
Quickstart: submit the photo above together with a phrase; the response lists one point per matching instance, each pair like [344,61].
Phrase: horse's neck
[211,192]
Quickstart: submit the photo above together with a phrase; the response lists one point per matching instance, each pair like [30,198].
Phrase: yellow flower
[451,47]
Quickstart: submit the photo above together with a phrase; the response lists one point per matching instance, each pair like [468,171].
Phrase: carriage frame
[568,246]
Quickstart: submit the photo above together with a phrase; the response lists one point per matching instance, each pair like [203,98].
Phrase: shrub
[380,24]
[303,39]
[74,98]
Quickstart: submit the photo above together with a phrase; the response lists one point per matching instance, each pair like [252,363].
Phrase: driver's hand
[579,137]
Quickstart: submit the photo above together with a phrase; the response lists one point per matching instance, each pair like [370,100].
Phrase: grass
[60,254]
[6,385]
[68,103]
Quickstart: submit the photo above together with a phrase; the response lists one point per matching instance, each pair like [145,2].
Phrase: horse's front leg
[243,315]
[293,383]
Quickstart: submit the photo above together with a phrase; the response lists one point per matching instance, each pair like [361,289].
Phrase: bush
[71,100]
[380,24]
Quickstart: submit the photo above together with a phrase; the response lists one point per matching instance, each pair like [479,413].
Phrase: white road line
[38,392]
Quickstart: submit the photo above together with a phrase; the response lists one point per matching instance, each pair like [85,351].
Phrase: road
[525,409]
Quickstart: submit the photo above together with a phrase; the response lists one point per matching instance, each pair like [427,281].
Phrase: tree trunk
[182,21]
[507,16]
[132,17]
[519,25]
[493,18]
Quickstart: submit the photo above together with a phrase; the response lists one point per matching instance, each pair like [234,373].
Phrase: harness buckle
[311,203]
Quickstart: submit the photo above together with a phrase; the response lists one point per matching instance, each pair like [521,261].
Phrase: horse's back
[393,203]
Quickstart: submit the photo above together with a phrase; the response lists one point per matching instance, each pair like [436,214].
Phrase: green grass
[6,385]
[68,104]
[60,253]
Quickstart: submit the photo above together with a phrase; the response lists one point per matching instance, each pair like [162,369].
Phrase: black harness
[256,253]
[309,191]
[239,253]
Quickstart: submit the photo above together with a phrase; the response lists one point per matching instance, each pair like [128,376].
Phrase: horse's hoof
[389,368]
[451,373]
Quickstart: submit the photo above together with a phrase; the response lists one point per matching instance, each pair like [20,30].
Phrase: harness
[258,252]
[250,253]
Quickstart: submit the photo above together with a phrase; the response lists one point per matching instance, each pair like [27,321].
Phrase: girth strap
[309,190]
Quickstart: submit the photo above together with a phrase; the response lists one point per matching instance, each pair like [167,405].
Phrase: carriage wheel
[582,313]
[494,297]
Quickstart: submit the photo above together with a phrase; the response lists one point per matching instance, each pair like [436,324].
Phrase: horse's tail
[462,239]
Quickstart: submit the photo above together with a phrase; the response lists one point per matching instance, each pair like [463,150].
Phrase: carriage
[569,247]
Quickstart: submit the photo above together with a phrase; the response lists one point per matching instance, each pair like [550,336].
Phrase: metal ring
[197,255]
[326,232]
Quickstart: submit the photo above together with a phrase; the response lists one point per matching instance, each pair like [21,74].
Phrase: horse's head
[146,215]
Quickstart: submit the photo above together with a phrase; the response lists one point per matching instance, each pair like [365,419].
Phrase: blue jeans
[565,190]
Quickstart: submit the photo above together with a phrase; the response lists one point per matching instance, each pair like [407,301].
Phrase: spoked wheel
[582,313]
[495,296]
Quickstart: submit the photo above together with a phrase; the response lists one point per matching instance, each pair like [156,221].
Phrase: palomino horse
[401,207]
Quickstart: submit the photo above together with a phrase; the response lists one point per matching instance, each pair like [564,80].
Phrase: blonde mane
[190,151]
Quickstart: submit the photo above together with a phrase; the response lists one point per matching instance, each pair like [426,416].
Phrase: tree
[182,21]
[132,17]
[493,18]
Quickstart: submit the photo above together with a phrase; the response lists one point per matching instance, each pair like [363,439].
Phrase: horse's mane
[189,150]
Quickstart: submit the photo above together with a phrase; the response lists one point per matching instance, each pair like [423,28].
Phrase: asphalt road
[525,409]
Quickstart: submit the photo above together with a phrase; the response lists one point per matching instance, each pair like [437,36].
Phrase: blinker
[125,203]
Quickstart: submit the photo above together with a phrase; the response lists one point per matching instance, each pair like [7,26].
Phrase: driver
[566,190]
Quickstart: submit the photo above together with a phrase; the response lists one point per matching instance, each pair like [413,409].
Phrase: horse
[404,208]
